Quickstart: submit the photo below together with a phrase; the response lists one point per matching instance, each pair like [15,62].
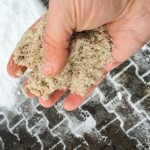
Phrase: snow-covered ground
[15,17]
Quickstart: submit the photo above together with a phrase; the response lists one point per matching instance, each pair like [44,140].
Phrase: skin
[127,22]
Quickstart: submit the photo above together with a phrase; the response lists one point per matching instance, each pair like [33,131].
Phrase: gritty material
[89,51]
[19,73]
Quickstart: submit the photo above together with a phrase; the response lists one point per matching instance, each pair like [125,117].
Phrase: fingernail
[48,68]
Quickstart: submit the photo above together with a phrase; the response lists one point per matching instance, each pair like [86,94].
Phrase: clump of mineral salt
[89,51]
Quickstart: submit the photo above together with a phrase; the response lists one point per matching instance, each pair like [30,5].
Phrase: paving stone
[98,112]
[95,140]
[111,91]
[1,117]
[96,144]
[27,140]
[117,139]
[133,84]
[53,116]
[11,114]
[40,127]
[30,113]
[144,57]
[79,114]
[36,146]
[142,133]
[125,111]
[76,117]
[119,68]
[27,109]
[48,139]
[84,146]
[7,137]
[147,78]
[67,136]
[1,145]
[21,146]
[13,118]
[146,104]
[59,146]
[80,121]
[42,131]
[34,120]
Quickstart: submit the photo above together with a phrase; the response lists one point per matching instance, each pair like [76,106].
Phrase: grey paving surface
[115,117]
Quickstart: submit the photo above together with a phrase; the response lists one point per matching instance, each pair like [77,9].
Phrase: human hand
[127,22]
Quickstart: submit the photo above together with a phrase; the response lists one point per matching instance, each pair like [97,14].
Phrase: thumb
[56,39]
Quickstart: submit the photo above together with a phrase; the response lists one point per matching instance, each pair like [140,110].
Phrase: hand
[127,22]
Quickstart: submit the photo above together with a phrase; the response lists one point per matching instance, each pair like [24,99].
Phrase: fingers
[57,35]
[26,91]
[52,99]
[48,103]
[15,70]
[72,101]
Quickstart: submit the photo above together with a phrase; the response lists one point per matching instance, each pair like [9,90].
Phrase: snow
[15,17]
[86,127]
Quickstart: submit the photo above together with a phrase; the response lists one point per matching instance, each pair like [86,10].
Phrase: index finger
[14,69]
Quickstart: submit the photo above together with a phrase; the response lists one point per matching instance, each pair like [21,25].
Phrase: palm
[129,33]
